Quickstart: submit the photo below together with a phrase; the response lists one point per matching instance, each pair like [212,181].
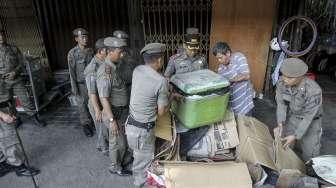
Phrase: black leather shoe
[122,172]
[23,170]
[87,131]
[38,122]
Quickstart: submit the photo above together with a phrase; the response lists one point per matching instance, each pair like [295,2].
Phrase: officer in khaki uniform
[149,98]
[78,58]
[94,105]
[299,109]
[114,99]
[11,65]
[11,155]
[128,61]
[188,59]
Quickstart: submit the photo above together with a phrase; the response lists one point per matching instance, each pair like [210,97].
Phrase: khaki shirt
[11,59]
[109,84]
[78,59]
[90,73]
[300,104]
[149,90]
[182,63]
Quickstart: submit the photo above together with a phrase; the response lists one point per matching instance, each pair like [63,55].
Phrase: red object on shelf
[311,75]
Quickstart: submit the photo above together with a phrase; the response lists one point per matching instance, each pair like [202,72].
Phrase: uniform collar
[109,62]
[300,88]
[99,60]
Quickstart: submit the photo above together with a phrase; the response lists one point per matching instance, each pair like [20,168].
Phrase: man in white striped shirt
[234,67]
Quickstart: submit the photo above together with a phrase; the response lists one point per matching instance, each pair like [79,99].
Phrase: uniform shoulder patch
[108,69]
[175,56]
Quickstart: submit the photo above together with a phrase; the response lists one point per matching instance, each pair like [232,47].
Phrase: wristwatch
[111,120]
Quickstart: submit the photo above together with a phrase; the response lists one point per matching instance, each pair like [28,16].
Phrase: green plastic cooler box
[205,98]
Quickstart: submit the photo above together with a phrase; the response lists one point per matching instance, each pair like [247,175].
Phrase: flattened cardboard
[163,127]
[206,175]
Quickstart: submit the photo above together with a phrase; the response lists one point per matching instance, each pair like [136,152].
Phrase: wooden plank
[246,29]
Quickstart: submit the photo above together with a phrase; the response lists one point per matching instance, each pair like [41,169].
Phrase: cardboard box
[163,127]
[219,139]
[206,175]
[258,147]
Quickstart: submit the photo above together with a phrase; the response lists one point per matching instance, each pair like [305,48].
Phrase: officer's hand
[98,115]
[289,140]
[176,95]
[10,75]
[114,128]
[8,118]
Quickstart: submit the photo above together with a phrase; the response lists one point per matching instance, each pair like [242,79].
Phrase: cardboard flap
[258,147]
[287,158]
[206,175]
[163,127]
[251,127]
[254,151]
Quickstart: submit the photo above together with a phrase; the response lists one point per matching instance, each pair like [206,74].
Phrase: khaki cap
[293,67]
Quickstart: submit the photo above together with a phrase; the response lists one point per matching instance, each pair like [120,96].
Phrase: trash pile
[204,146]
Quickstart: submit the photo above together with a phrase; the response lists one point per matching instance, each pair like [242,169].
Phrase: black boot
[5,168]
[87,130]
[23,170]
[36,120]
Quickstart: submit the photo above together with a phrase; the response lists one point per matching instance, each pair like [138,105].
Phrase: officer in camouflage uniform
[11,65]
[149,98]
[127,62]
[78,58]
[114,99]
[299,109]
[188,59]
[94,105]
[11,155]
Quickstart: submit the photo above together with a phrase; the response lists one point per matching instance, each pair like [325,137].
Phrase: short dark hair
[221,47]
[150,58]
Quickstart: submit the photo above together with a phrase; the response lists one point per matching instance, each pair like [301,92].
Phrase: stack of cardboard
[219,141]
[255,146]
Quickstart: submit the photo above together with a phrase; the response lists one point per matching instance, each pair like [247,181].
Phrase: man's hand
[289,140]
[114,128]
[8,118]
[176,95]
[10,75]
[98,115]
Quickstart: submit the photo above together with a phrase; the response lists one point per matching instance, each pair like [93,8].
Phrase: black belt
[5,104]
[81,82]
[315,118]
[148,126]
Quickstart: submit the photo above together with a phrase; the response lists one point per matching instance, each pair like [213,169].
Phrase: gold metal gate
[165,21]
